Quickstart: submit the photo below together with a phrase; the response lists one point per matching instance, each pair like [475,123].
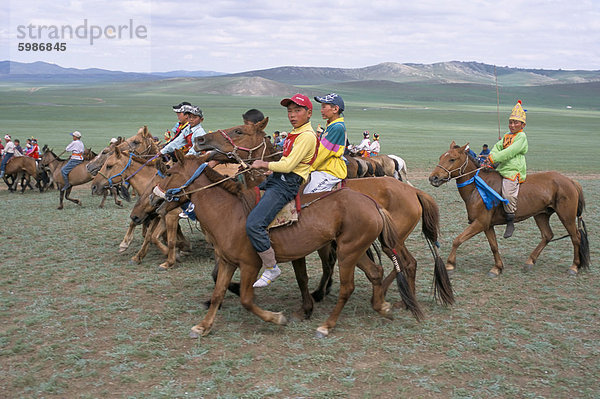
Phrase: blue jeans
[5,160]
[71,164]
[280,188]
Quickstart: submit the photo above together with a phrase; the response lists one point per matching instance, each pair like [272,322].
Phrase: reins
[460,169]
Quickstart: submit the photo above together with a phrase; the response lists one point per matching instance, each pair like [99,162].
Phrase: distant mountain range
[274,81]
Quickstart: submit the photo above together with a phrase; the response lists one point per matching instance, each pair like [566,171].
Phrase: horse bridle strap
[234,153]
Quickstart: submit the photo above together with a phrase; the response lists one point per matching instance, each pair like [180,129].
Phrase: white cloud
[230,36]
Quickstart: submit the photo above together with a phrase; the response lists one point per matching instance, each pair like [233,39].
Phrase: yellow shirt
[303,150]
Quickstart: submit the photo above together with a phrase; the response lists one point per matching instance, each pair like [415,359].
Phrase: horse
[141,173]
[142,143]
[79,175]
[406,204]
[320,223]
[22,168]
[376,166]
[541,195]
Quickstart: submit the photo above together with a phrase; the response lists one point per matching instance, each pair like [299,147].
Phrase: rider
[9,152]
[375,147]
[77,148]
[509,153]
[329,168]
[182,121]
[365,144]
[282,185]
[252,116]
[34,150]
[192,130]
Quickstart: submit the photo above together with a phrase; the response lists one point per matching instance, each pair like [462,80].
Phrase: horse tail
[389,239]
[430,221]
[584,245]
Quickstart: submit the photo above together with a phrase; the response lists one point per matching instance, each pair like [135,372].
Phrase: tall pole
[497,102]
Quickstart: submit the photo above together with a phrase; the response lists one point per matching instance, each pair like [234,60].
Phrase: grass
[78,320]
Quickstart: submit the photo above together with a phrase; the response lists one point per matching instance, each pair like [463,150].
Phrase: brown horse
[21,169]
[142,174]
[320,223]
[79,175]
[142,143]
[541,195]
[406,204]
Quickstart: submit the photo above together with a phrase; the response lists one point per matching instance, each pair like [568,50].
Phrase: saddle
[287,215]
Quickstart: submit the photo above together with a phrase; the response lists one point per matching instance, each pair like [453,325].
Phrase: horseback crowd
[314,164]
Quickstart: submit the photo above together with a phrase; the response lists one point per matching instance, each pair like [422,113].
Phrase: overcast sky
[236,36]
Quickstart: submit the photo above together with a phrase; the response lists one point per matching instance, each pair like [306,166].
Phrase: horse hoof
[322,332]
[280,319]
[101,206]
[122,249]
[165,266]
[492,275]
[59,208]
[450,271]
[386,311]
[527,268]
[572,272]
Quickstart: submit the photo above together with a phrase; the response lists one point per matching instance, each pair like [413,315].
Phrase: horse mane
[247,196]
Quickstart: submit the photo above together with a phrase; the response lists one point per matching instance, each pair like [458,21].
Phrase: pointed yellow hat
[518,113]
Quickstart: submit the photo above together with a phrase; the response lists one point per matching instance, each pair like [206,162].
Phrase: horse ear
[117,152]
[262,124]
[464,147]
[453,145]
[179,156]
[146,132]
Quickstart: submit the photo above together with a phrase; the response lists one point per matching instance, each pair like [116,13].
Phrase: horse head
[238,142]
[452,164]
[113,163]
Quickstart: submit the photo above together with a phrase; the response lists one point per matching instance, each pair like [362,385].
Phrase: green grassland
[78,320]
[415,121]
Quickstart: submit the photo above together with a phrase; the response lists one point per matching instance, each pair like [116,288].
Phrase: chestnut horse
[222,209]
[406,204]
[541,195]
[22,168]
[142,174]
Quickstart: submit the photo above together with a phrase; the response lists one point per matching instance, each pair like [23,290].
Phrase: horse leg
[172,226]
[471,230]
[346,270]
[137,258]
[116,197]
[374,273]
[182,242]
[543,223]
[224,276]
[104,195]
[67,196]
[128,237]
[498,264]
[569,222]
[248,275]
[61,197]
[302,279]
[328,259]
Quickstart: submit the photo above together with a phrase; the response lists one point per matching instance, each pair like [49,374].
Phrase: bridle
[234,153]
[126,179]
[460,169]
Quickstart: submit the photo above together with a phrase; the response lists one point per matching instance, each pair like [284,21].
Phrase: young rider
[282,185]
[76,148]
[509,153]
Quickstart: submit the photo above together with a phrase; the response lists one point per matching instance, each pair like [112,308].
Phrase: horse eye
[108,166]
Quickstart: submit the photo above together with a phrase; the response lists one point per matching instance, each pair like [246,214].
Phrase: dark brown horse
[406,204]
[541,195]
[22,169]
[222,210]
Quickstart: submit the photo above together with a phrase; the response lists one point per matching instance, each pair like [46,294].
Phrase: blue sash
[489,196]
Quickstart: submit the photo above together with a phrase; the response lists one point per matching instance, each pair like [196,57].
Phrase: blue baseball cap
[332,98]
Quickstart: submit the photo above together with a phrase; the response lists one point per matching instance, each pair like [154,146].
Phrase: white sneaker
[269,275]
[183,215]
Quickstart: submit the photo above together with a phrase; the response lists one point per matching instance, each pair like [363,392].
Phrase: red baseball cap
[299,99]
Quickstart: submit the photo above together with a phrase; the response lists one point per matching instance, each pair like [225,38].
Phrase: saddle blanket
[287,215]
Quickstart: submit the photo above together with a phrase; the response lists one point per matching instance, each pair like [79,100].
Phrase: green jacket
[509,153]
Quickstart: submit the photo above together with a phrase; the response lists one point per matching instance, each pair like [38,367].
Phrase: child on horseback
[191,130]
[364,146]
[8,153]
[182,121]
[76,148]
[282,185]
[329,167]
[509,153]
[375,146]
